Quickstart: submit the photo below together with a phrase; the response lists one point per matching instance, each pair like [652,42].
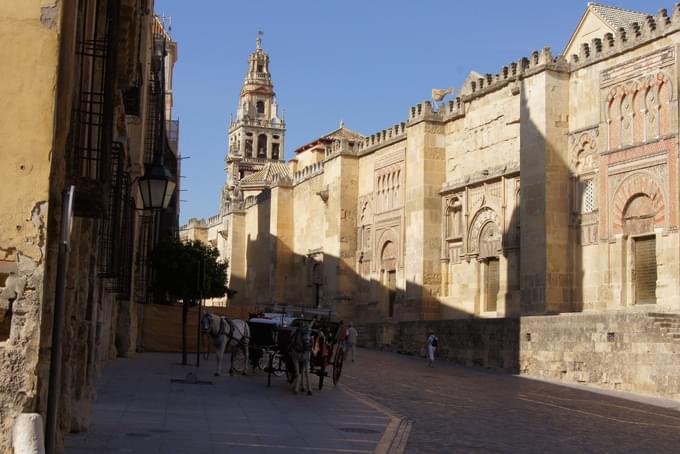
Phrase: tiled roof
[267,173]
[617,17]
[343,133]
[337,134]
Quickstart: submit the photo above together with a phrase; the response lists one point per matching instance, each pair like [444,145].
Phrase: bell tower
[256,135]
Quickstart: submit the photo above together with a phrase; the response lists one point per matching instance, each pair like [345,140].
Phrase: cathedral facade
[549,187]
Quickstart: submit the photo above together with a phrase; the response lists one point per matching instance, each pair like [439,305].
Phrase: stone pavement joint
[393,440]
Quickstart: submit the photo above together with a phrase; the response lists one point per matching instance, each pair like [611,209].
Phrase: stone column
[269,145]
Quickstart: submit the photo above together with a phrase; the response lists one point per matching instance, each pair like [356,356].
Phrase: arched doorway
[638,222]
[489,247]
[388,265]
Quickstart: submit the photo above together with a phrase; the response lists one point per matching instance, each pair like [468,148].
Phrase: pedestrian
[352,340]
[342,336]
[432,343]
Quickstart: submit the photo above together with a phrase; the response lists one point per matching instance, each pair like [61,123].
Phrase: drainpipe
[54,386]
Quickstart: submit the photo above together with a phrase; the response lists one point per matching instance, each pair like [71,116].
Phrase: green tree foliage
[188,272]
[177,271]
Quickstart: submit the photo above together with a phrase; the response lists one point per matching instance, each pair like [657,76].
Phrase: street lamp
[156,187]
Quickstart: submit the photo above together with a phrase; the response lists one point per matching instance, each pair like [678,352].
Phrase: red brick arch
[632,186]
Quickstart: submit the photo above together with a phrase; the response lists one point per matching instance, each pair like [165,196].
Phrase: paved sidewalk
[139,410]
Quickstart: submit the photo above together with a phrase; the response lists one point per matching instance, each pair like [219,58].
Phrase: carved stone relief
[627,189]
[638,110]
[584,156]
[483,216]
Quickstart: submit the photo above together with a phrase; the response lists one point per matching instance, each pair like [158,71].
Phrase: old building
[550,187]
[86,95]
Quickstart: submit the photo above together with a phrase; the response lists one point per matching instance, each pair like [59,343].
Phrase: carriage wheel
[337,366]
[278,365]
[239,361]
[322,372]
[270,369]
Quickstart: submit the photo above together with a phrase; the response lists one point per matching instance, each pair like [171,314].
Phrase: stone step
[663,315]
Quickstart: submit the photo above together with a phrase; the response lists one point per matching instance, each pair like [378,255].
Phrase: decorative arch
[613,113]
[585,153]
[454,217]
[483,216]
[629,199]
[388,250]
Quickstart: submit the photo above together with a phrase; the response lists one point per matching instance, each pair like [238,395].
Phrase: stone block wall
[468,342]
[627,351]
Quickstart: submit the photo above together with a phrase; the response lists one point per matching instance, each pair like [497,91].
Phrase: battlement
[525,66]
[342,146]
[381,138]
[635,34]
[281,180]
[423,111]
[214,220]
[308,172]
[253,200]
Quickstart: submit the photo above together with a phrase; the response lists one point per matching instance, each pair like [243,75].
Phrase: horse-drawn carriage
[325,352]
[270,345]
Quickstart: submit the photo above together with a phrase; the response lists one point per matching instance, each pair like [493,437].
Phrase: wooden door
[492,284]
[645,270]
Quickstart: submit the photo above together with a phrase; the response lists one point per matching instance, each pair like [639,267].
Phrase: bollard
[27,434]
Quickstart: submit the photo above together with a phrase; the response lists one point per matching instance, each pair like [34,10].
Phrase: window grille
[116,229]
[92,121]
[142,261]
[588,196]
[127,244]
[109,234]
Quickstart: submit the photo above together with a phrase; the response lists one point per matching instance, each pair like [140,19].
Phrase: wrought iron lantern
[156,187]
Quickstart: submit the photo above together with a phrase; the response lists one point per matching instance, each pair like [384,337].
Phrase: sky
[364,62]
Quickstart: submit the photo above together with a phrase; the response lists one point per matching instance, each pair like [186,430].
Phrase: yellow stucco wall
[28,81]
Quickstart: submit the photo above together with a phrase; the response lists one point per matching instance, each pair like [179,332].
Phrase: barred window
[587,196]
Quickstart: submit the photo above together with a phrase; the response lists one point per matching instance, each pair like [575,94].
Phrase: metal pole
[201,280]
[54,386]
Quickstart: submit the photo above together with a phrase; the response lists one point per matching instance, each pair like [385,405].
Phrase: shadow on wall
[539,256]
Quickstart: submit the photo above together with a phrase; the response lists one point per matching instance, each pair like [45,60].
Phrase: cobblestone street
[458,410]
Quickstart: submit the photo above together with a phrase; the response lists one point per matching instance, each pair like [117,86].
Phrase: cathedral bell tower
[256,135]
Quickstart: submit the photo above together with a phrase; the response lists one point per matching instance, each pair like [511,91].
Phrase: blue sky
[365,62]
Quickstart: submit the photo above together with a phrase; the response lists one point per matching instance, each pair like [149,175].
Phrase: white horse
[227,335]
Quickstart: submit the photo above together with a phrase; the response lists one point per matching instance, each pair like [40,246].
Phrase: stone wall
[627,351]
[469,342]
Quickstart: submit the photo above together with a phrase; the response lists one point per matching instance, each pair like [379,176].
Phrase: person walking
[352,340]
[432,344]
[342,336]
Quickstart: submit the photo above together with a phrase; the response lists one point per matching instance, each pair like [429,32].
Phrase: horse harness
[224,321]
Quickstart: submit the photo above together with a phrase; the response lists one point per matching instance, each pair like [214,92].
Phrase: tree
[188,272]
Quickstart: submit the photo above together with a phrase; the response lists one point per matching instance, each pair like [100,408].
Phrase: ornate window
[587,196]
[454,218]
[259,106]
